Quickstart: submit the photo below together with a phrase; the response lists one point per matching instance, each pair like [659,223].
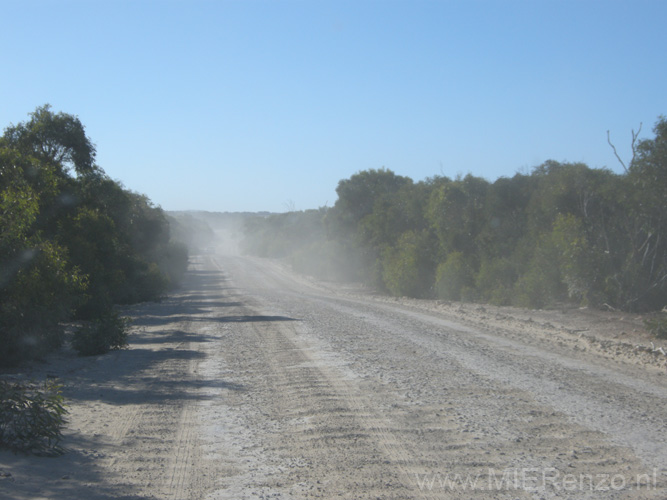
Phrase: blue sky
[266,105]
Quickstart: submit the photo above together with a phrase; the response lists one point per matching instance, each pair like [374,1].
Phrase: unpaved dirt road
[251,382]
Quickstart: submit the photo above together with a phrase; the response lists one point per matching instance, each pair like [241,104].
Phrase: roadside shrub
[407,269]
[102,335]
[33,302]
[532,290]
[454,278]
[32,417]
[657,326]
[174,262]
[495,281]
[541,283]
[579,267]
[151,283]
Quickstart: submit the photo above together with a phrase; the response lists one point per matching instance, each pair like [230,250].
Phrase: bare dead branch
[635,136]
[634,140]
[615,153]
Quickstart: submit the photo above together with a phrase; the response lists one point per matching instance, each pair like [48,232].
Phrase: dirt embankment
[610,334]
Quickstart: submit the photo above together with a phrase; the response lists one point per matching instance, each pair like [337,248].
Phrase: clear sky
[266,105]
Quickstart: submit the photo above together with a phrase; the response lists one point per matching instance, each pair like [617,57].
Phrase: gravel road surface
[251,382]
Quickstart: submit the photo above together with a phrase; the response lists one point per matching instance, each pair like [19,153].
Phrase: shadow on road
[251,318]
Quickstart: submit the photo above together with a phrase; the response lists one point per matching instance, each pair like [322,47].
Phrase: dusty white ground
[251,382]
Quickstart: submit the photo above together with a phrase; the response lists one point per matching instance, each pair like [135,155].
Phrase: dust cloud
[210,232]
[297,238]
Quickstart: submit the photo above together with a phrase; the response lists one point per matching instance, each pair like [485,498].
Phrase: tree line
[73,242]
[564,233]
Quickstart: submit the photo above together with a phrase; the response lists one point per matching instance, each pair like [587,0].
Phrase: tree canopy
[565,233]
[73,242]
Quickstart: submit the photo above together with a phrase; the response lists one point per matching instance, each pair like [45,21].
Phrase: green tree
[407,267]
[93,247]
[455,278]
[395,214]
[456,213]
[358,195]
[57,139]
[505,216]
[540,283]
[37,290]
[70,238]
[495,280]
[647,258]
[579,265]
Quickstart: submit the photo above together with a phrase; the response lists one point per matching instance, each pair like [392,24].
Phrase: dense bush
[494,281]
[101,335]
[407,269]
[173,262]
[657,326]
[72,241]
[454,278]
[31,417]
[564,232]
[41,293]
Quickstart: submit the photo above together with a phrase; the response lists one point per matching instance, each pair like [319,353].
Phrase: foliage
[533,289]
[103,334]
[563,233]
[578,263]
[173,262]
[31,417]
[72,241]
[647,255]
[657,326]
[494,281]
[359,195]
[407,269]
[57,139]
[41,295]
[191,231]
[456,214]
[454,278]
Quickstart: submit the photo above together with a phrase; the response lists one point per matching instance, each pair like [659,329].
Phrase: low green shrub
[32,417]
[454,278]
[109,332]
[657,326]
[495,281]
[150,284]
[174,262]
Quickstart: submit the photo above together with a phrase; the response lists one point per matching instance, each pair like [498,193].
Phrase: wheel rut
[251,383]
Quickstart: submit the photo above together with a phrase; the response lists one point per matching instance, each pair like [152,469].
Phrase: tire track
[321,409]
[183,452]
[370,402]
